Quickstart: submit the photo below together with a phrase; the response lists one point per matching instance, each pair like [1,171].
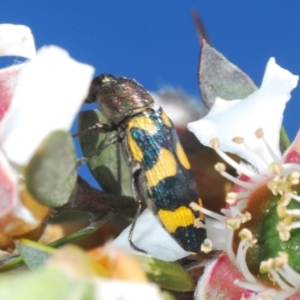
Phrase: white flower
[39,96]
[241,118]
[250,129]
[16,40]
[150,236]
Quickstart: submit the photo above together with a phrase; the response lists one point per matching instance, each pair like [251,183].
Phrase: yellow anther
[220,167]
[281,211]
[233,223]
[266,296]
[294,177]
[214,143]
[280,187]
[266,266]
[206,246]
[275,168]
[245,217]
[259,133]
[231,198]
[245,234]
[281,260]
[285,199]
[238,140]
[284,229]
[198,223]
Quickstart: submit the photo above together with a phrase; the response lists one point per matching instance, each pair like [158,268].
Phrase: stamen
[235,222]
[255,287]
[284,228]
[229,243]
[247,240]
[231,198]
[259,133]
[220,167]
[275,168]
[294,177]
[290,168]
[255,156]
[206,246]
[214,143]
[289,272]
[198,223]
[280,187]
[294,213]
[285,199]
[295,197]
[242,204]
[279,269]
[194,206]
[295,225]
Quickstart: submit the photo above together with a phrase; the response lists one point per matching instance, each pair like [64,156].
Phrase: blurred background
[155,41]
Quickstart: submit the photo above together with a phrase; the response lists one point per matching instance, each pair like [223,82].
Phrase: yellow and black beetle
[160,169]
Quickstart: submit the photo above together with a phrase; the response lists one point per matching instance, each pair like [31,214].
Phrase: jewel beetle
[161,174]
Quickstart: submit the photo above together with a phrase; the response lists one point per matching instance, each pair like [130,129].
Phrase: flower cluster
[263,206]
[37,98]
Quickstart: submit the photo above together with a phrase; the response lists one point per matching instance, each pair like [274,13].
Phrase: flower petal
[8,187]
[8,80]
[49,93]
[16,40]
[149,235]
[241,118]
[217,282]
[292,154]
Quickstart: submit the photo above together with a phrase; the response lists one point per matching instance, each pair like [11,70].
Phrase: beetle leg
[113,139]
[97,126]
[137,196]
[132,228]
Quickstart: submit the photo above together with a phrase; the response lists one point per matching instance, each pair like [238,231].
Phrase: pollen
[259,133]
[214,143]
[198,223]
[246,235]
[236,222]
[294,177]
[231,198]
[220,167]
[206,246]
[275,168]
[238,140]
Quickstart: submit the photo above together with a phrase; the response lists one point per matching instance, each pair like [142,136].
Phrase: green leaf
[51,174]
[109,166]
[34,254]
[218,77]
[46,284]
[168,275]
[91,228]
[17,261]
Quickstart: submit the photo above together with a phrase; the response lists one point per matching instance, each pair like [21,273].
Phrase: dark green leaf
[51,174]
[168,275]
[109,166]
